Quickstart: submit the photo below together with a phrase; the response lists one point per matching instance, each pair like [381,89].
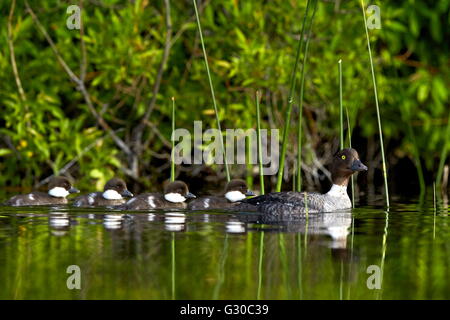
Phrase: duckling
[58,189]
[293,205]
[235,190]
[174,197]
[113,192]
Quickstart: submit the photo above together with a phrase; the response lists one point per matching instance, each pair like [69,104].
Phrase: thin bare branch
[83,64]
[138,132]
[81,86]
[13,57]
[69,164]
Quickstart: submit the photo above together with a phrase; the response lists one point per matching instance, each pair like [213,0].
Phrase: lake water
[213,255]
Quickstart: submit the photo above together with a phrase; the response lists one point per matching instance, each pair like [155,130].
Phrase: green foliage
[251,45]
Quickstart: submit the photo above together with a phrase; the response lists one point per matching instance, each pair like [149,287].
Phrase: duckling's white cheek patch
[111,195]
[58,192]
[174,197]
[234,196]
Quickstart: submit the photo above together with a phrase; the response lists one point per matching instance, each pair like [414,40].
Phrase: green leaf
[4,152]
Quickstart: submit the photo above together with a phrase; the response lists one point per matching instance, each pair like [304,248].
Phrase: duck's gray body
[113,192]
[235,190]
[295,205]
[58,189]
[34,199]
[174,197]
[209,203]
[148,201]
[292,205]
[94,199]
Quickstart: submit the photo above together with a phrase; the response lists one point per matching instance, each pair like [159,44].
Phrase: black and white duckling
[175,195]
[235,190]
[58,189]
[113,194]
[292,205]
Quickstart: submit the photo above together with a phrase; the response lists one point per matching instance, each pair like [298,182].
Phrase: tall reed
[260,264]
[290,102]
[341,109]
[173,265]
[212,90]
[258,124]
[221,270]
[443,154]
[380,131]
[172,155]
[300,117]
[341,120]
[435,210]
[349,132]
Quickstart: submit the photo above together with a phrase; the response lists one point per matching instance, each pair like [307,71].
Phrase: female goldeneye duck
[58,189]
[293,205]
[235,190]
[174,197]
[112,195]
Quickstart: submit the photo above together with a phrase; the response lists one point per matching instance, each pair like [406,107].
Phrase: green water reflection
[185,255]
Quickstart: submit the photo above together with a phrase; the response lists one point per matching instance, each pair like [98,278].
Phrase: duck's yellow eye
[343,157]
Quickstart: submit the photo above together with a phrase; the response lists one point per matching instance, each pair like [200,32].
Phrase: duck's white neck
[338,191]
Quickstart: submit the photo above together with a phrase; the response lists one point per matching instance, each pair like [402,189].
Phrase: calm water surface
[213,255]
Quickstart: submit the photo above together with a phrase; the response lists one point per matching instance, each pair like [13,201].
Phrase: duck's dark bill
[74,190]
[357,165]
[249,193]
[126,193]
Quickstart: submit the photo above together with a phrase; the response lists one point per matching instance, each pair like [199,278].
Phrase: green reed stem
[443,154]
[172,157]
[341,109]
[419,169]
[383,252]
[290,102]
[258,124]
[435,209]
[212,90]
[299,263]
[300,117]
[349,131]
[284,263]
[221,271]
[260,265]
[173,266]
[380,131]
[306,205]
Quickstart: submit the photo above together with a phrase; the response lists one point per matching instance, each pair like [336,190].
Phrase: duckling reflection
[175,221]
[334,224]
[59,223]
[234,226]
[113,221]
